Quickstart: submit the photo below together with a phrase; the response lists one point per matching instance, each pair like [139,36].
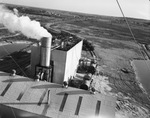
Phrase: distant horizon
[75,12]
[140,10]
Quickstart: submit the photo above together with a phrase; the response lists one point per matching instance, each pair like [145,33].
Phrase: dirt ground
[113,81]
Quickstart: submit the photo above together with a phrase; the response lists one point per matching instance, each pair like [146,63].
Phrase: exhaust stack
[45,51]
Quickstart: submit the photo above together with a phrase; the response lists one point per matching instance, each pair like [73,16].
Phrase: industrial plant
[57,65]
[44,96]
[46,93]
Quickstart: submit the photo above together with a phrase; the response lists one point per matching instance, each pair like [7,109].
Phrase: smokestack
[45,51]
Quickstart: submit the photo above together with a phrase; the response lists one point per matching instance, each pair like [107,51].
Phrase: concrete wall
[72,60]
[59,60]
[65,63]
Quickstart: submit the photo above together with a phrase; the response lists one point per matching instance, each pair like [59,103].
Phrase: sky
[131,8]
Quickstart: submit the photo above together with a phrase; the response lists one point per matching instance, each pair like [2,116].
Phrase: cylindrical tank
[45,51]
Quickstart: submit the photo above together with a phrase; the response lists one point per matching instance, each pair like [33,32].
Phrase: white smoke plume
[23,24]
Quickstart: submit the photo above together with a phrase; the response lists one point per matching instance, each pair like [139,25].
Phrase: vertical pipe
[45,51]
[48,97]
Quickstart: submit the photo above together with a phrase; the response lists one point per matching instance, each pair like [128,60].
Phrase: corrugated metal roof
[31,96]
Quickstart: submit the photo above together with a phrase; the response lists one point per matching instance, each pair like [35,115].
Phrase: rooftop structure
[23,97]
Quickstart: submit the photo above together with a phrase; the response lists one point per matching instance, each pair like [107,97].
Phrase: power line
[13,112]
[14,60]
[132,35]
[131,32]
[126,21]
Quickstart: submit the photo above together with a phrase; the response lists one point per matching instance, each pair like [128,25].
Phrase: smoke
[23,24]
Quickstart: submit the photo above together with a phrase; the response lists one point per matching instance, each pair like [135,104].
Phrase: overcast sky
[131,8]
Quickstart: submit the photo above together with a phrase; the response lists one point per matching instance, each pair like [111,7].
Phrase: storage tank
[45,51]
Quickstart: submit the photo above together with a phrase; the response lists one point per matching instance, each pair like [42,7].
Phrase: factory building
[58,65]
[65,62]
[22,97]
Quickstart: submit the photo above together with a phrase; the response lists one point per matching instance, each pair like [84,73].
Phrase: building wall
[59,60]
[65,63]
[72,60]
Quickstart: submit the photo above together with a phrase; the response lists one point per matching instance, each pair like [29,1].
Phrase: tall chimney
[45,51]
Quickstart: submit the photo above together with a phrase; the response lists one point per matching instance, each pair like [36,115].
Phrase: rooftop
[27,96]
[66,39]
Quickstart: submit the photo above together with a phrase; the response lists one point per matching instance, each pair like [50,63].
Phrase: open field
[114,48]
